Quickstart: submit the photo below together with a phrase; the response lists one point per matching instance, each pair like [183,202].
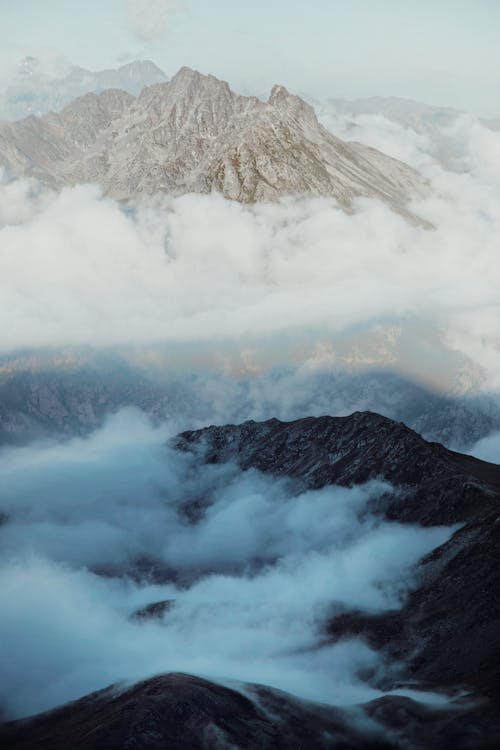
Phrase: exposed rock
[154,611]
[193,134]
[433,484]
[446,636]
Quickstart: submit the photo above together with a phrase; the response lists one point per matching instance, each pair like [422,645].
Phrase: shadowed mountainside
[177,711]
[440,641]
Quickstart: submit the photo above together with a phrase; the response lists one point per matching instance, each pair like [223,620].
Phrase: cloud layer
[77,268]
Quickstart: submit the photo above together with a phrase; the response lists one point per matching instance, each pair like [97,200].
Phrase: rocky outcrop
[193,134]
[432,485]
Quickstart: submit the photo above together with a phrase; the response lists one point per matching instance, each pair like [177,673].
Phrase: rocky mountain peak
[278,94]
[187,77]
[142,70]
[193,134]
[282,100]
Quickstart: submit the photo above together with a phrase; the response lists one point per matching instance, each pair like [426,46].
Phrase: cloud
[151,18]
[82,270]
[264,566]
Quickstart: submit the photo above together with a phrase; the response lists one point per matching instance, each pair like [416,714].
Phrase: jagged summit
[189,75]
[278,94]
[194,134]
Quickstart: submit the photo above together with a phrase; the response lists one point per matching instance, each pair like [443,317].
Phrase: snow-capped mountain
[37,87]
[193,134]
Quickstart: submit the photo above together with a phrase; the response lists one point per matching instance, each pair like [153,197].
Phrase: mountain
[441,642]
[193,134]
[445,638]
[322,451]
[73,393]
[493,123]
[37,87]
[178,711]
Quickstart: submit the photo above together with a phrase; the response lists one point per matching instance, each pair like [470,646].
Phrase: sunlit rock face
[193,134]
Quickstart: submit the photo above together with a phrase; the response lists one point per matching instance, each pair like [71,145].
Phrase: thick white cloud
[76,268]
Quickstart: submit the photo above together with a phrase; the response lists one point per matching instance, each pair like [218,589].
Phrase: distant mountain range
[416,115]
[440,129]
[67,394]
[35,89]
[193,134]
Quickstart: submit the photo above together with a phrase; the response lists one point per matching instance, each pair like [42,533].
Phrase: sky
[444,52]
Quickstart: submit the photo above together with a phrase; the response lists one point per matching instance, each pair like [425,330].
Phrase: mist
[97,528]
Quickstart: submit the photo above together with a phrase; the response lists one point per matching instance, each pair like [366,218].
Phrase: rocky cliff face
[193,134]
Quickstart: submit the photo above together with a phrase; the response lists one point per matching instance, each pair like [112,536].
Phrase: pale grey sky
[440,51]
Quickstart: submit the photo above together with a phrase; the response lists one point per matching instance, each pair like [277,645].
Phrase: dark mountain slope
[449,631]
[447,635]
[433,485]
[178,712]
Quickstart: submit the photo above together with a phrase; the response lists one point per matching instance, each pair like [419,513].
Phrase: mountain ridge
[193,134]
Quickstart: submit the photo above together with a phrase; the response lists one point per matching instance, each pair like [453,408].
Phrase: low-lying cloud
[97,528]
[79,269]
